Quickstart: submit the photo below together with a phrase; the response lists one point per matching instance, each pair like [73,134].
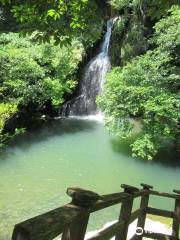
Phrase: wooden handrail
[162,194]
[109,200]
[176,219]
[115,198]
[71,220]
[136,214]
[160,212]
[113,229]
[48,225]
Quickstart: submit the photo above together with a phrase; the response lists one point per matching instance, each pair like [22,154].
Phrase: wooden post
[84,199]
[125,213]
[176,219]
[143,205]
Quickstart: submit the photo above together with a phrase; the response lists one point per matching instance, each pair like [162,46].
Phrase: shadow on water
[121,146]
[54,128]
[166,156]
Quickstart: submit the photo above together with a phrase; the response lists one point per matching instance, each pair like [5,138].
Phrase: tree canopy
[144,81]
[63,20]
[147,88]
[34,76]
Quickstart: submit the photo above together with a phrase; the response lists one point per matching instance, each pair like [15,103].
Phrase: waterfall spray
[92,81]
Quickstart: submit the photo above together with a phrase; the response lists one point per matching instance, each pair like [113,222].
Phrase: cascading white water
[92,81]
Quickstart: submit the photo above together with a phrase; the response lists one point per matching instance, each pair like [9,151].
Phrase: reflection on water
[166,156]
[37,168]
[53,129]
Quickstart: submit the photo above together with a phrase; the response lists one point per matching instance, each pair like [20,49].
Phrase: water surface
[37,169]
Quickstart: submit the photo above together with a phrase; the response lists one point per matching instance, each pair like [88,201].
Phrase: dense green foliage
[145,47]
[62,20]
[34,75]
[134,28]
[147,88]
[39,71]
[153,8]
[6,111]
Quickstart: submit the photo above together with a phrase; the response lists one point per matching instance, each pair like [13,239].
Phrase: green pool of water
[37,169]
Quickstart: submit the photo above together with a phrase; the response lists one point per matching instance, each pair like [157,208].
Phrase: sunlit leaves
[34,74]
[119,4]
[144,147]
[147,88]
[6,110]
[159,8]
[62,20]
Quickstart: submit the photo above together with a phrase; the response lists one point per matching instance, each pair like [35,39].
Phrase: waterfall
[92,81]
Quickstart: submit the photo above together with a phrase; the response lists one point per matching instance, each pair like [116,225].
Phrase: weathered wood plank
[81,197]
[160,212]
[129,188]
[109,200]
[72,219]
[85,199]
[176,219]
[146,186]
[77,230]
[51,224]
[140,193]
[143,205]
[114,228]
[113,199]
[176,191]
[48,225]
[125,213]
[136,214]
[162,194]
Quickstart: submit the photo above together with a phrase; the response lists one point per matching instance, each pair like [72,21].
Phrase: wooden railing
[71,220]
